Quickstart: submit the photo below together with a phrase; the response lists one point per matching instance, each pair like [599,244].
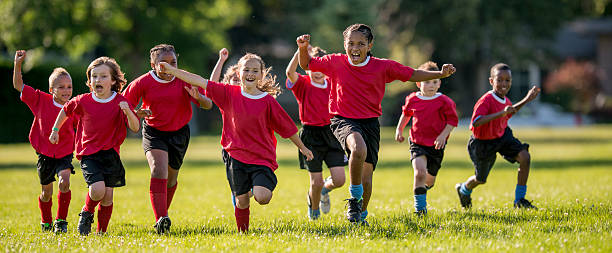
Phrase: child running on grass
[165,132]
[491,134]
[312,94]
[53,159]
[104,115]
[357,89]
[231,74]
[251,115]
[433,118]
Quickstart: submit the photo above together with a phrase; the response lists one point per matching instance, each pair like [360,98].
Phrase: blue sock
[464,190]
[325,191]
[420,202]
[356,191]
[364,215]
[519,192]
[233,200]
[313,214]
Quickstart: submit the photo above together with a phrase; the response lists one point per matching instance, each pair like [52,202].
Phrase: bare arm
[133,121]
[305,151]
[188,77]
[204,101]
[303,42]
[401,124]
[531,95]
[292,75]
[420,75]
[17,79]
[216,73]
[59,121]
[487,118]
[440,141]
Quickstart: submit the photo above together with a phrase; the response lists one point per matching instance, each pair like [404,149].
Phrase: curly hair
[268,81]
[363,29]
[317,52]
[57,72]
[116,73]
[230,73]
[431,66]
[159,49]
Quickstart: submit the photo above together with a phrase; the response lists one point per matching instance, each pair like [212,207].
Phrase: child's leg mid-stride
[96,193]
[105,209]
[420,187]
[334,181]
[45,201]
[366,181]
[158,188]
[524,160]
[358,150]
[64,196]
[314,194]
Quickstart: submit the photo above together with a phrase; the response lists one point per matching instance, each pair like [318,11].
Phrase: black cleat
[46,227]
[523,203]
[85,220]
[162,225]
[60,226]
[466,200]
[421,213]
[353,213]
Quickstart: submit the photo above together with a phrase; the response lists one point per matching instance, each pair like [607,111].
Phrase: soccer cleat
[162,225]
[353,213]
[523,203]
[85,220]
[364,223]
[466,200]
[60,226]
[46,227]
[325,204]
[421,213]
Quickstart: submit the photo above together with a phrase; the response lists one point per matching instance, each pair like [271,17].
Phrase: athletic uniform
[313,100]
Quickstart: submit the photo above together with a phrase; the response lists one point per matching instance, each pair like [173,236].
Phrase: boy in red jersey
[433,118]
[53,159]
[250,115]
[312,94]
[357,87]
[104,115]
[165,132]
[491,134]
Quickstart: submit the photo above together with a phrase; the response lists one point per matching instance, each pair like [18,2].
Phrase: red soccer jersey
[430,115]
[249,123]
[168,101]
[45,111]
[312,99]
[102,123]
[490,103]
[357,90]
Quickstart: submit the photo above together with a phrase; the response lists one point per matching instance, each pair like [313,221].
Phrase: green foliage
[566,164]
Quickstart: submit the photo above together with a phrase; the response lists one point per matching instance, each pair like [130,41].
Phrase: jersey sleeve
[298,87]
[71,107]
[480,109]
[30,97]
[397,71]
[450,112]
[280,121]
[217,92]
[322,64]
[407,107]
[133,93]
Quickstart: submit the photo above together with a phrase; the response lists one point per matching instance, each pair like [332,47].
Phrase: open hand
[306,152]
[303,41]
[193,92]
[447,70]
[533,93]
[440,142]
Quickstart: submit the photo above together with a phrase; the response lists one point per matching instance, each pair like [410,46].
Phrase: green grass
[571,182]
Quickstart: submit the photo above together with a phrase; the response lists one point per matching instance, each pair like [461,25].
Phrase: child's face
[235,79]
[167,57]
[501,82]
[429,88]
[250,73]
[101,81]
[316,77]
[357,47]
[61,89]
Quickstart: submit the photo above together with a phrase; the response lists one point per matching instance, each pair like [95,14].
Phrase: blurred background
[563,46]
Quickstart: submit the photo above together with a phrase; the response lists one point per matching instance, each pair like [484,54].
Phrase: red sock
[90,204]
[170,195]
[158,192]
[45,211]
[242,219]
[63,200]
[104,215]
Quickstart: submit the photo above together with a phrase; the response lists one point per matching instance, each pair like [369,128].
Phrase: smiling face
[357,47]
[101,81]
[61,89]
[250,73]
[429,88]
[168,57]
[501,80]
[316,77]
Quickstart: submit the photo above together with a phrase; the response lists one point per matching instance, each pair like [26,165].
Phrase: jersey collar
[420,95]
[360,64]
[252,96]
[319,85]
[103,100]
[500,100]
[152,73]
[56,103]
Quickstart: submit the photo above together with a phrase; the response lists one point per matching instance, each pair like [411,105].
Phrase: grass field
[570,182]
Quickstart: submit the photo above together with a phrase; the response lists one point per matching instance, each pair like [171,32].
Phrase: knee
[524,157]
[106,202]
[64,184]
[358,151]
[338,181]
[96,194]
[316,183]
[46,195]
[242,203]
[264,198]
[420,174]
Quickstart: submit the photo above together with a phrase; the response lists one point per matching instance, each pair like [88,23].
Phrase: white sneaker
[324,204]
